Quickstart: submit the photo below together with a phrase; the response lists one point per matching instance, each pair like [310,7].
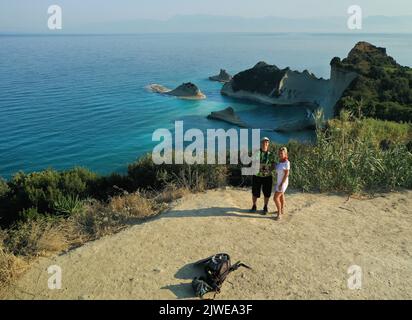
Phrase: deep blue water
[81,100]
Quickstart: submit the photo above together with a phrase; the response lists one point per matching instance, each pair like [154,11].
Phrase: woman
[282,173]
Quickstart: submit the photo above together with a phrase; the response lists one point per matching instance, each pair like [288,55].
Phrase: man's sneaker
[253,209]
[265,210]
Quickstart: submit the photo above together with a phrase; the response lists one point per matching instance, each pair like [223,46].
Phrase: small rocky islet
[223,76]
[227,115]
[186,90]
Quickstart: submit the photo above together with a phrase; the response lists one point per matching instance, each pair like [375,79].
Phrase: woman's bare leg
[278,204]
[282,202]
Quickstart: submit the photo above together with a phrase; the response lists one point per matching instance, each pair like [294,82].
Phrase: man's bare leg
[254,200]
[265,207]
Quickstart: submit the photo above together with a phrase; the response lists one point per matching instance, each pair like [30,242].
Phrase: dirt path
[306,255]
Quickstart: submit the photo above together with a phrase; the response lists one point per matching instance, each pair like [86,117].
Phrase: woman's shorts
[262,183]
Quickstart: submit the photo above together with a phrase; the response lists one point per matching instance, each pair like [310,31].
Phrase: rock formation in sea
[268,84]
[186,90]
[228,115]
[223,76]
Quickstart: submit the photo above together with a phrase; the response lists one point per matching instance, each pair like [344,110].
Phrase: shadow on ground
[185,290]
[215,212]
[206,212]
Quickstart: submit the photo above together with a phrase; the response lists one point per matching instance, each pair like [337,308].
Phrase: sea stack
[227,115]
[186,90]
[223,77]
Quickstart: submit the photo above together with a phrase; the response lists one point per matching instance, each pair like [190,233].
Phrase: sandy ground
[304,256]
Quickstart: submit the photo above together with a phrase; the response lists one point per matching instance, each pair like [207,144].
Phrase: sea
[82,100]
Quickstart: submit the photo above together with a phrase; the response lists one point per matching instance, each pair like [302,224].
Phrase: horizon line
[60,33]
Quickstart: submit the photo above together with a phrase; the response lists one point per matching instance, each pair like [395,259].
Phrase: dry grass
[39,237]
[171,193]
[47,236]
[100,219]
[96,221]
[10,265]
[134,205]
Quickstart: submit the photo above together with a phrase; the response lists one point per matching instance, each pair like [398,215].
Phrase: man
[263,180]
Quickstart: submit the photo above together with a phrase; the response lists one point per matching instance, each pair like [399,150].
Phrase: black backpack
[216,269]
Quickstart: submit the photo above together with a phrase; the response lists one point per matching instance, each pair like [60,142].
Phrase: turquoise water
[81,100]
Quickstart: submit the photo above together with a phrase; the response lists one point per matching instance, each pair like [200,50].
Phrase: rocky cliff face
[266,83]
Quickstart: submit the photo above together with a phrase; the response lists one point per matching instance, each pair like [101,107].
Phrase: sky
[27,15]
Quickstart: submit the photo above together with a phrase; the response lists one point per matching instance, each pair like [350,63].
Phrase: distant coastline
[220,23]
[83,34]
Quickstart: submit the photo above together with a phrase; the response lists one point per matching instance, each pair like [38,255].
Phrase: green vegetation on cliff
[383,89]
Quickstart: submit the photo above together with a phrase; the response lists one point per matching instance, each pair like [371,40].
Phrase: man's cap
[265,139]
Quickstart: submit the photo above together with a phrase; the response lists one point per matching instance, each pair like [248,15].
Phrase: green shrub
[30,214]
[68,205]
[42,190]
[112,185]
[4,188]
[144,174]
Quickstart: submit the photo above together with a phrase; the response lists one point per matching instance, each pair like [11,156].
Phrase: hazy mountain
[209,23]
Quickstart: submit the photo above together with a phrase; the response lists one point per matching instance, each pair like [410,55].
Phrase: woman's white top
[280,173]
